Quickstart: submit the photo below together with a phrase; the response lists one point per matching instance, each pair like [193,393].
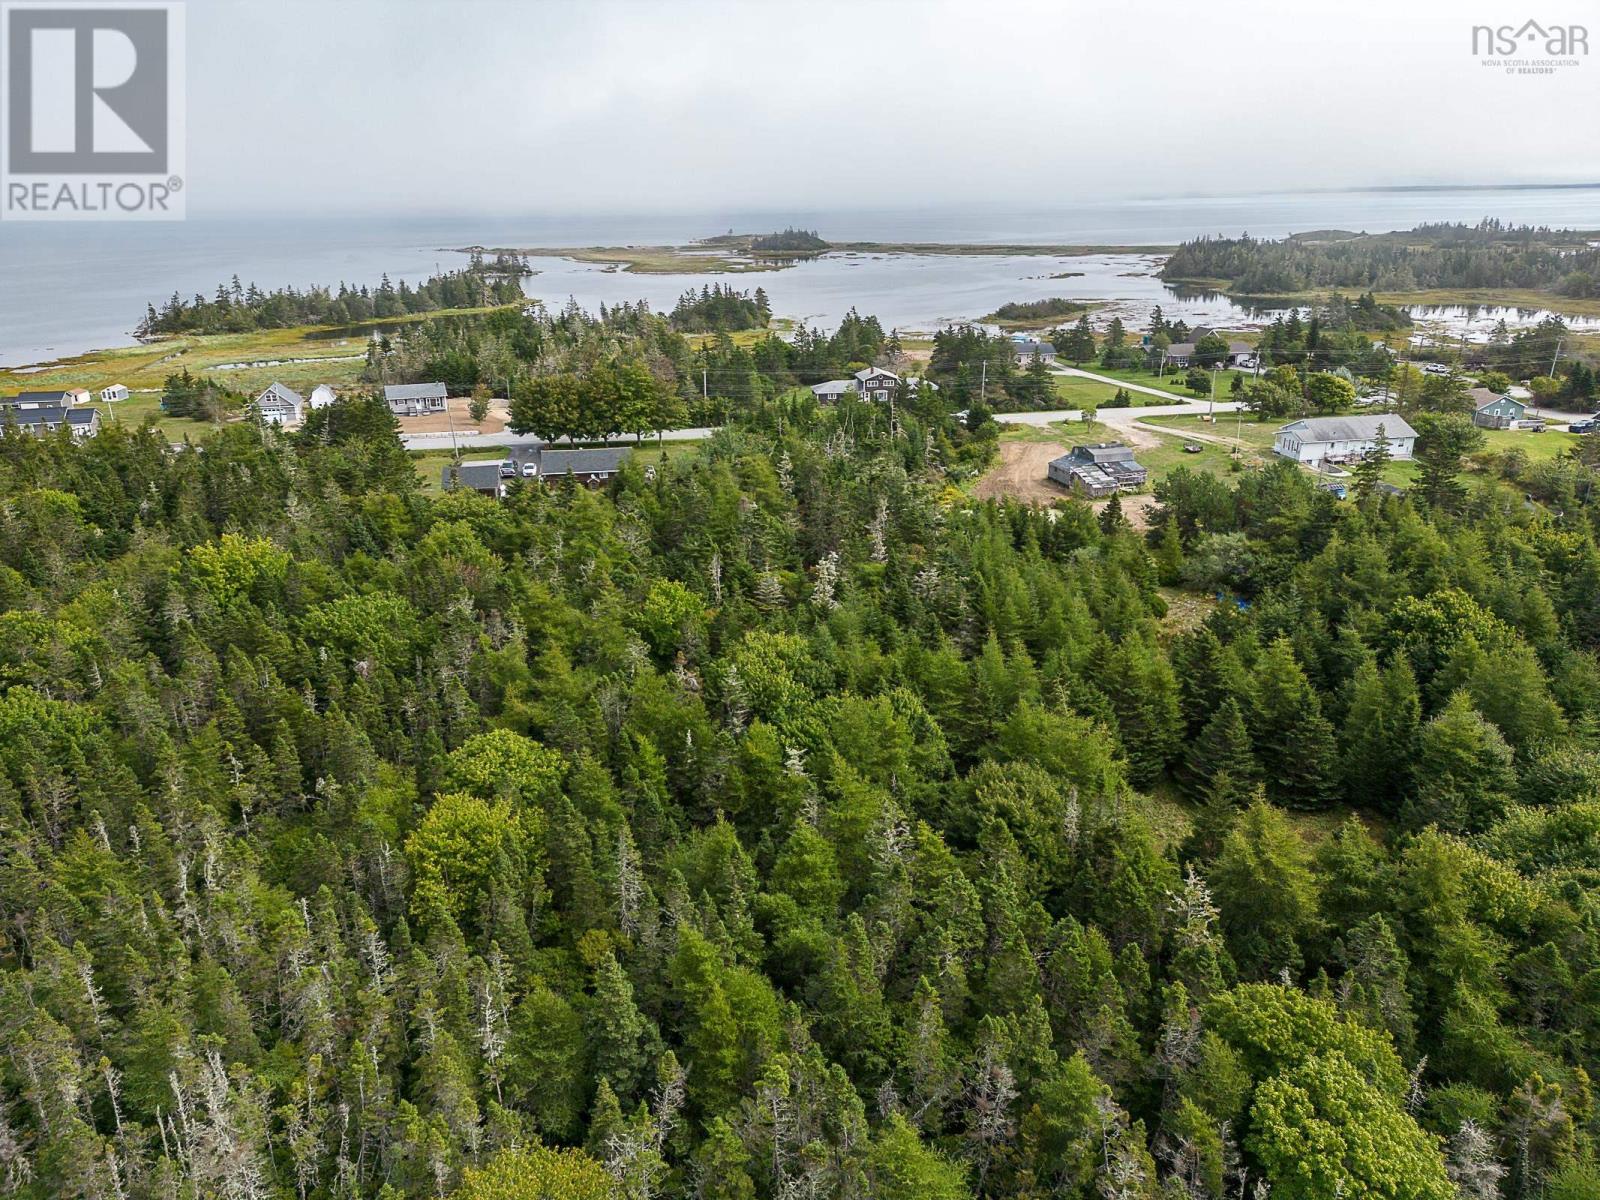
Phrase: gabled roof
[283,392]
[1483,397]
[415,391]
[582,462]
[868,372]
[1032,346]
[832,387]
[53,396]
[1180,350]
[1357,428]
[51,413]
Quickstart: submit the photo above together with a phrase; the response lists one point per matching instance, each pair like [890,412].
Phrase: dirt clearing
[1022,473]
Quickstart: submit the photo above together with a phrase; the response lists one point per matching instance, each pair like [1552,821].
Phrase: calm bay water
[67,288]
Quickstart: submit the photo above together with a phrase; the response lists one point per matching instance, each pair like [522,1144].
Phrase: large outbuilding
[1099,469]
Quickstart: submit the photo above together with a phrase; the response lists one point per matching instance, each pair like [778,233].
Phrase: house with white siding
[414,399]
[1316,440]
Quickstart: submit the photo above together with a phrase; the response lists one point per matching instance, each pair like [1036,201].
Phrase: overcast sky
[454,106]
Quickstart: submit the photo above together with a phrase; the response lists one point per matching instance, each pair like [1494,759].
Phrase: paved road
[1121,419]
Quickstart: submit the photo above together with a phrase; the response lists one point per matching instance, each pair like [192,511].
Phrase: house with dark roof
[1028,349]
[1496,410]
[1181,354]
[46,419]
[61,398]
[1098,469]
[589,467]
[1316,440]
[414,399]
[876,384]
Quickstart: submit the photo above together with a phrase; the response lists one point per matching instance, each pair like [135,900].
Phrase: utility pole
[455,450]
[983,384]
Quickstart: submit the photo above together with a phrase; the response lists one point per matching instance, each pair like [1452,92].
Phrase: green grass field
[430,464]
[1077,392]
[301,356]
[1255,438]
[1171,381]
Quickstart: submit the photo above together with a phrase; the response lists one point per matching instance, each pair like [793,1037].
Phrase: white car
[530,470]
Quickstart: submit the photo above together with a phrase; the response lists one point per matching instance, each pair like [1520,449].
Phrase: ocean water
[67,288]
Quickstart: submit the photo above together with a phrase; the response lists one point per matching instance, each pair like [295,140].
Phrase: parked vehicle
[1192,448]
[1587,425]
[508,469]
[530,470]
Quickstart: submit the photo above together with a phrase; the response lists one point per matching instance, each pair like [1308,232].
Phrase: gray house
[58,399]
[833,390]
[414,399]
[281,405]
[590,468]
[1029,349]
[876,384]
[1099,469]
[83,422]
[1491,410]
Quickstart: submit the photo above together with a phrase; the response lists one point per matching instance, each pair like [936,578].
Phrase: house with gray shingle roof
[1344,439]
[414,399]
[280,404]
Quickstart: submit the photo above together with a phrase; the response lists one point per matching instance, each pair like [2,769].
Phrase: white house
[115,392]
[414,399]
[1344,439]
[79,395]
[281,405]
[322,396]
[1028,349]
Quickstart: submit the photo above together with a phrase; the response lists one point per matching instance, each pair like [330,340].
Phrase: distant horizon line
[754,208]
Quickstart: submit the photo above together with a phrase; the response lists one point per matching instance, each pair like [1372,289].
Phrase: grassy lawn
[244,361]
[1077,392]
[430,464]
[1250,433]
[1255,438]
[1171,381]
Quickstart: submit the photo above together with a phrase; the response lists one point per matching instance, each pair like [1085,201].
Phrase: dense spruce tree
[780,821]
